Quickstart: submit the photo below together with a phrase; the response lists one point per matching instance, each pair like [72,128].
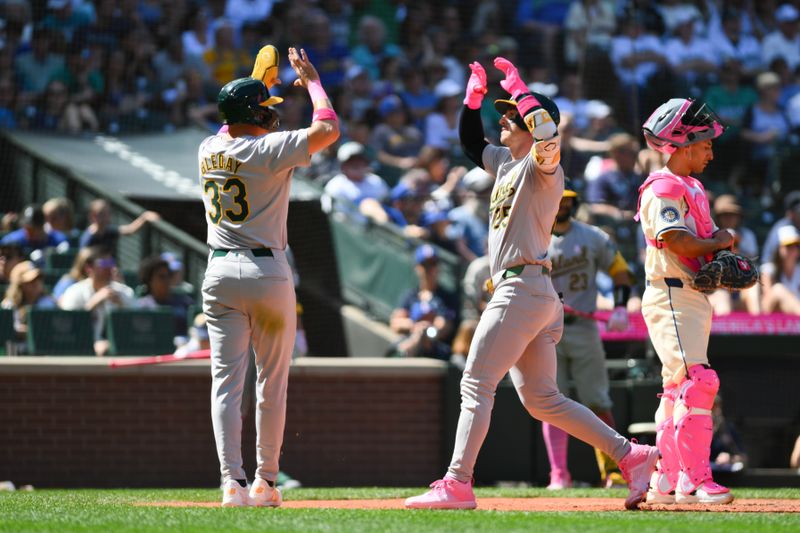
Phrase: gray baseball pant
[518,332]
[248,300]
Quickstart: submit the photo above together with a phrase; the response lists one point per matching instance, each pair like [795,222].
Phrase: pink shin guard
[669,465]
[555,440]
[693,431]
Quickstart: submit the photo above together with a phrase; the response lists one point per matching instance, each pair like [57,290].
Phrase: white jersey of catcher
[576,257]
[246,184]
[523,207]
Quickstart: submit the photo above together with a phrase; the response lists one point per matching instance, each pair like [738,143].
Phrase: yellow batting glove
[266,66]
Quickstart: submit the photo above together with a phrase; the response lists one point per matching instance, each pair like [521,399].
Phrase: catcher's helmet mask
[503,105]
[681,122]
[247,101]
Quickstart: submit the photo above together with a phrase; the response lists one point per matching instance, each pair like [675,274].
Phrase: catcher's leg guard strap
[693,431]
[669,465]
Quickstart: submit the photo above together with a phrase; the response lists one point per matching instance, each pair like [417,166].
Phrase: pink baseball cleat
[636,468]
[559,480]
[447,493]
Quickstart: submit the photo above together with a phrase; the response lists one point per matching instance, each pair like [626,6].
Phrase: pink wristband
[316,92]
[324,114]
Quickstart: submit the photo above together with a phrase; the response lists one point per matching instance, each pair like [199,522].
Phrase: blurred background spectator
[781,275]
[25,292]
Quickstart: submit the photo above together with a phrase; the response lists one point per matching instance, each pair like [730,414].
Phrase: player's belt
[257,252]
[512,272]
[669,282]
[517,270]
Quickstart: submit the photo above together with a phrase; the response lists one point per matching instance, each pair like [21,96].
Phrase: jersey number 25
[239,200]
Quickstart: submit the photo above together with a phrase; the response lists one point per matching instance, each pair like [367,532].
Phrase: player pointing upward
[248,292]
[680,235]
[520,327]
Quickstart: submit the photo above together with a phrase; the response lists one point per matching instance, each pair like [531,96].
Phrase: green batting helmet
[247,101]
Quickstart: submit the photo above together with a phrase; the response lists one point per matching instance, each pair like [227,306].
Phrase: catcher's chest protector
[694,194]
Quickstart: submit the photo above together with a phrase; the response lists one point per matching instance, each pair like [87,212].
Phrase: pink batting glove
[476,86]
[512,84]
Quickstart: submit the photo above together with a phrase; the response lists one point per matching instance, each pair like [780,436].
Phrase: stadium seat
[141,331]
[60,332]
[53,260]
[6,328]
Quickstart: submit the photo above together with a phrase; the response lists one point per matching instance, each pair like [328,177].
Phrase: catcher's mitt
[727,270]
[266,66]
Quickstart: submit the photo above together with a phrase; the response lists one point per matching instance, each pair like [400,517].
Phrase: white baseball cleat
[262,495]
[234,495]
[660,491]
[708,492]
[446,493]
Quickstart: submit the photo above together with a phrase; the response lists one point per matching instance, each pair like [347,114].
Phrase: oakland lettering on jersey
[563,264]
[220,162]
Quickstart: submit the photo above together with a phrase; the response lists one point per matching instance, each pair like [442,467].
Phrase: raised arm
[470,126]
[324,130]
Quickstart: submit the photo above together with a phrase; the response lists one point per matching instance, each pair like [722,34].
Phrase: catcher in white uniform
[681,237]
[578,251]
[248,291]
[520,327]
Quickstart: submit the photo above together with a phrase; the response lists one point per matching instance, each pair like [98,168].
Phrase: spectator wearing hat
[404,205]
[785,41]
[101,232]
[444,179]
[32,236]
[99,294]
[441,126]
[470,220]
[764,127]
[427,314]
[396,142]
[355,183]
[614,191]
[442,233]
[25,292]
[177,275]
[10,256]
[156,277]
[728,214]
[791,206]
[601,123]
[781,276]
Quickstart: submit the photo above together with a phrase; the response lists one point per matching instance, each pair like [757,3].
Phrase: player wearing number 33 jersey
[519,329]
[248,289]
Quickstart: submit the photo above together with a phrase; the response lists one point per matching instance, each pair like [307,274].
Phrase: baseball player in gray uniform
[578,251]
[248,291]
[522,324]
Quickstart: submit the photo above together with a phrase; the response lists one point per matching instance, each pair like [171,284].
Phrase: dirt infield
[531,504]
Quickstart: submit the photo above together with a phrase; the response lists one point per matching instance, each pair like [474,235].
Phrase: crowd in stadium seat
[396,72]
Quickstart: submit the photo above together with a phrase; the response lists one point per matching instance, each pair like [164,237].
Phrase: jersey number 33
[233,189]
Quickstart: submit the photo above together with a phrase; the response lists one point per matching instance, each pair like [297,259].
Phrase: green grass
[111,510]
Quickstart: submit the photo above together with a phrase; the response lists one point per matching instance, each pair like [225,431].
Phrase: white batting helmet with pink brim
[681,122]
